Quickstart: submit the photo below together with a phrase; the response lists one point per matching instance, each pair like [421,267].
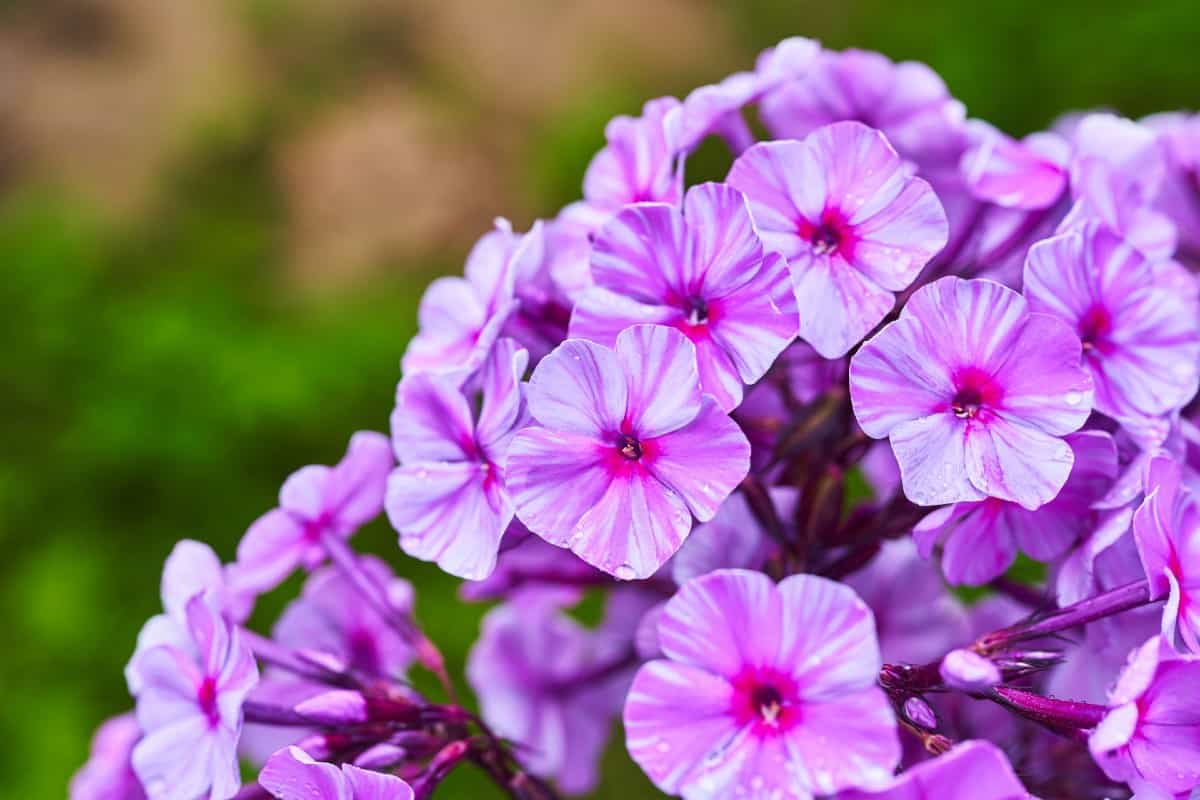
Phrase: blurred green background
[217,217]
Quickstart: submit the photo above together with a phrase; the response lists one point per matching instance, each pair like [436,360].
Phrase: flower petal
[450,513]
[702,462]
[579,388]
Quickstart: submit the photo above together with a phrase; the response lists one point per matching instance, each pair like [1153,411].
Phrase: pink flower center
[825,239]
[976,393]
[697,311]
[1094,328]
[630,447]
[767,700]
[832,234]
[206,698]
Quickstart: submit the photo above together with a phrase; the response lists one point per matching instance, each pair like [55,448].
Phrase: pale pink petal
[579,388]
[369,785]
[450,513]
[723,248]
[354,492]
[702,462]
[174,762]
[783,184]
[741,615]
[642,253]
[838,304]
[827,638]
[270,550]
[896,242]
[431,421]
[758,320]
[303,493]
[191,569]
[675,716]
[601,314]
[291,774]
[1043,381]
[634,527]
[555,479]
[931,453]
[664,386]
[896,377]
[500,384]
[850,742]
[451,317]
[1010,460]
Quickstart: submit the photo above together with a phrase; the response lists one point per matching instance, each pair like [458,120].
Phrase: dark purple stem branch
[1114,601]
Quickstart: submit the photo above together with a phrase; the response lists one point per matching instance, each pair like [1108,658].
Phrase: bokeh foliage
[159,383]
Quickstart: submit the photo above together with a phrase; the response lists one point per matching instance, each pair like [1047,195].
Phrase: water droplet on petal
[625,572]
[1073,398]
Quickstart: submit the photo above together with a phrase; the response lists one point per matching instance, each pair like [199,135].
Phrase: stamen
[631,448]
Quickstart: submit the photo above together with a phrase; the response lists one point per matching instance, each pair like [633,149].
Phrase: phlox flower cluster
[881,456]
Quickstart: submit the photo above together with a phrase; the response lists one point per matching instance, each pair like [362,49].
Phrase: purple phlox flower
[916,618]
[550,685]
[291,775]
[1116,173]
[1140,338]
[976,769]
[189,708]
[908,102]
[1166,528]
[315,501]
[191,570]
[981,539]
[765,691]
[731,539]
[449,497]
[639,164]
[716,108]
[1179,197]
[975,392]
[459,319]
[108,773]
[1030,174]
[702,271]
[629,450]
[852,223]
[1150,736]
[331,617]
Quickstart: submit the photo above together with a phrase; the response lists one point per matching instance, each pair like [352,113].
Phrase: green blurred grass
[158,385]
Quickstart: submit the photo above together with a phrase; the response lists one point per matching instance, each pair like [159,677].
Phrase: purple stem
[1114,601]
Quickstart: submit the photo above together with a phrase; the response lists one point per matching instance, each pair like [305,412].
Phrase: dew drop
[1073,398]
[625,572]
